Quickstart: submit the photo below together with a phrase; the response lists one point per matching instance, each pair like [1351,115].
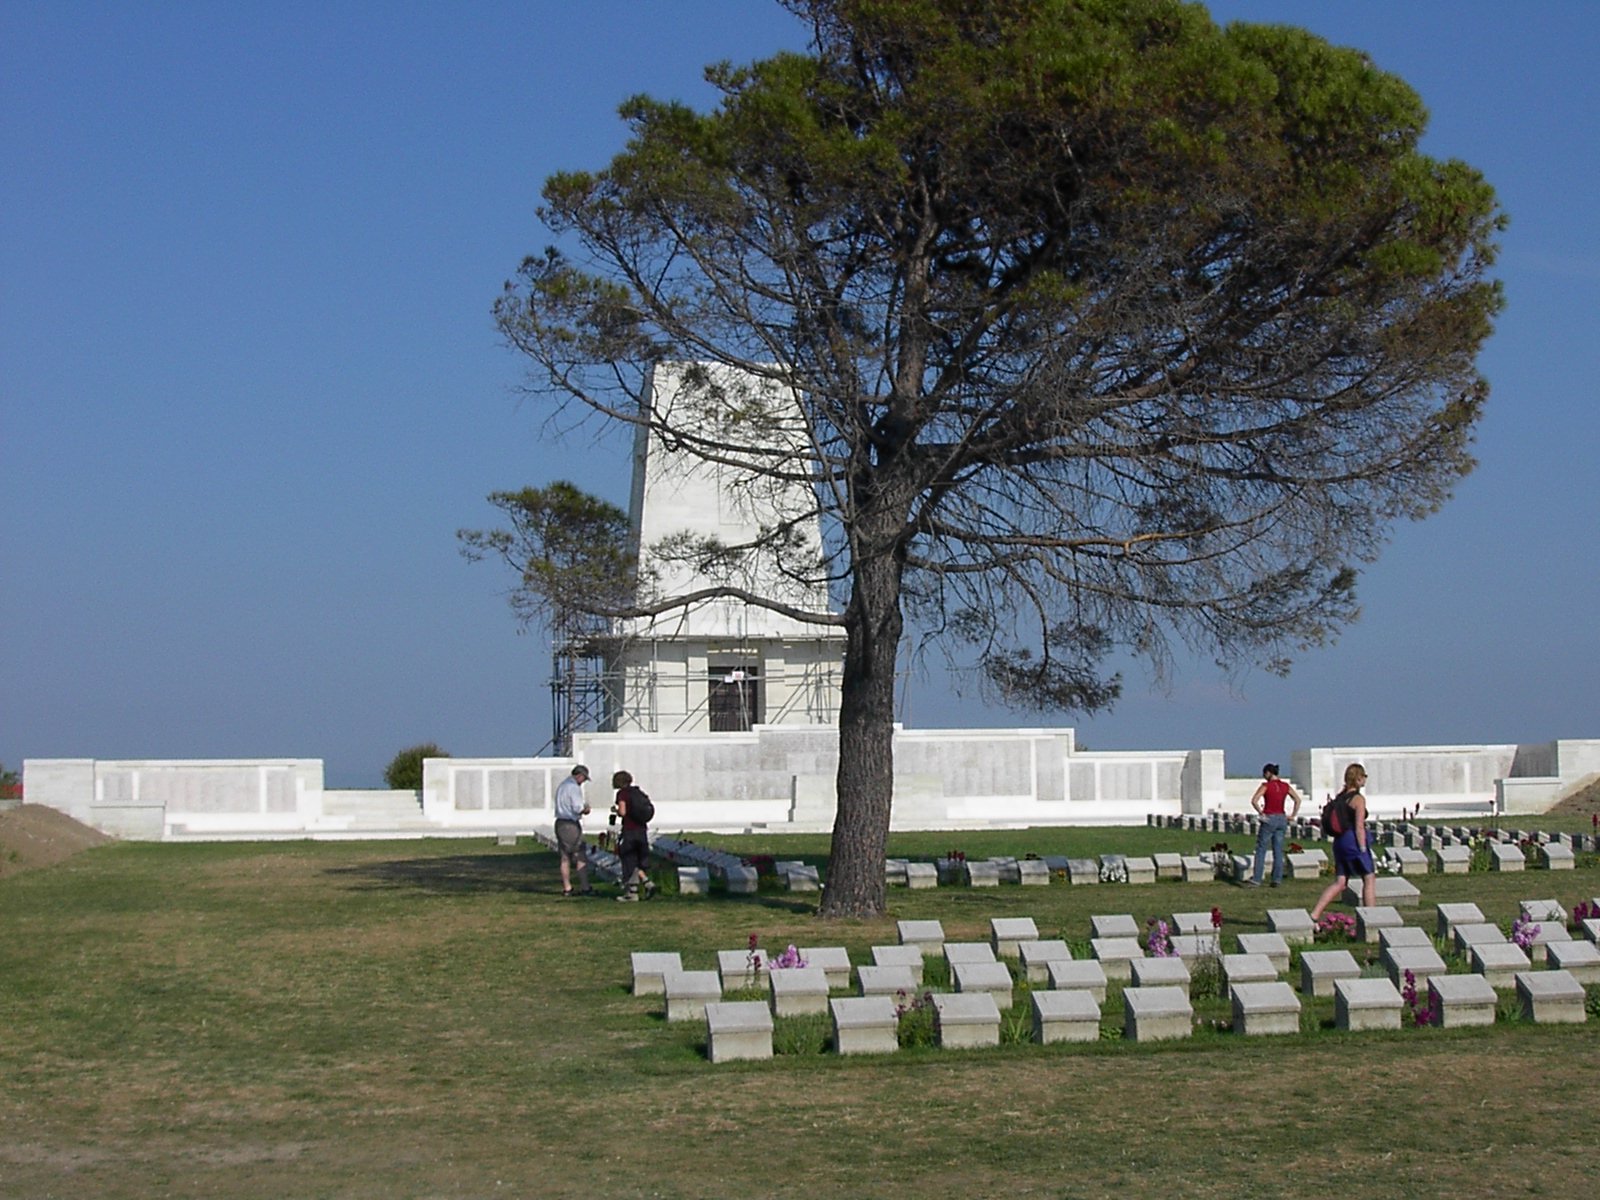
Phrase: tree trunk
[865,782]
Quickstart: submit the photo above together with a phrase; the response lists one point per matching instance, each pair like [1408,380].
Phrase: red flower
[1216,918]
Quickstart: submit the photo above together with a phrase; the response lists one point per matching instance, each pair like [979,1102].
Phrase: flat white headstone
[1422,962]
[886,981]
[738,1029]
[1032,872]
[928,936]
[688,993]
[1404,935]
[739,969]
[1320,968]
[991,977]
[1248,968]
[966,1019]
[1115,954]
[1551,997]
[1265,1008]
[1370,920]
[968,952]
[921,876]
[1499,963]
[1156,1013]
[1168,866]
[1113,925]
[1142,869]
[1460,1000]
[1037,956]
[909,957]
[1293,925]
[1273,945]
[650,968]
[798,991]
[1160,972]
[1581,960]
[1556,857]
[1366,1004]
[1542,910]
[1084,973]
[834,961]
[865,1025]
[1506,856]
[1469,935]
[1065,1016]
[1006,932]
[1453,860]
[1451,915]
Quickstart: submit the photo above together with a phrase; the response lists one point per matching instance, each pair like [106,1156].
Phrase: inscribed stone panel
[514,788]
[468,790]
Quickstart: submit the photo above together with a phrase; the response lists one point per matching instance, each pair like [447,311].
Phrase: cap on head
[580,769]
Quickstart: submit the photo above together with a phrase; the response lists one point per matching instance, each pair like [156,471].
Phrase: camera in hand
[612,819]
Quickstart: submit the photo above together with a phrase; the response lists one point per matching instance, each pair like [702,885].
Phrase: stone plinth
[1005,933]
[1265,1008]
[865,1025]
[983,874]
[1198,870]
[991,977]
[1506,856]
[1274,945]
[927,936]
[1079,975]
[1065,1016]
[1114,925]
[909,957]
[688,993]
[738,969]
[1141,870]
[1168,866]
[1551,998]
[1192,922]
[1499,963]
[968,952]
[1302,866]
[1411,862]
[1293,925]
[1581,960]
[650,969]
[1549,933]
[1452,860]
[1388,890]
[1542,911]
[886,981]
[1160,972]
[1115,955]
[1370,920]
[921,875]
[834,961]
[1469,935]
[798,991]
[1421,962]
[1197,945]
[1320,969]
[1156,1014]
[966,1019]
[1360,1004]
[1037,956]
[1032,872]
[1555,857]
[1083,870]
[742,880]
[1451,915]
[1248,968]
[1460,1000]
[739,1029]
[1404,935]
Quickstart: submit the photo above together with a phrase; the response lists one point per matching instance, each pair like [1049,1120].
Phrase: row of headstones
[698,865]
[1156,1002]
[1413,835]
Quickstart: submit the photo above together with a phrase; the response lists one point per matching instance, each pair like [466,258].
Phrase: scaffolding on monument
[591,691]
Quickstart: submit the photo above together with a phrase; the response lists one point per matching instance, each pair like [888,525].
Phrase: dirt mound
[33,835]
[1584,802]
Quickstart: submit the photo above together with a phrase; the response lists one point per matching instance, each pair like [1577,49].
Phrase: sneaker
[1251,883]
[649,888]
[628,898]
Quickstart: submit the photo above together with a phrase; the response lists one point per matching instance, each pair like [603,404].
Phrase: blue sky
[249,385]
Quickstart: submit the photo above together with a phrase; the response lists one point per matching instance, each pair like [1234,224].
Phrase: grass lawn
[429,1019]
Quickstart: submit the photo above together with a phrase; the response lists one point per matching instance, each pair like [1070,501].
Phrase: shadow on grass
[452,875]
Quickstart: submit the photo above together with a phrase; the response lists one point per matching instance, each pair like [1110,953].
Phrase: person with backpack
[1344,817]
[1269,802]
[635,810]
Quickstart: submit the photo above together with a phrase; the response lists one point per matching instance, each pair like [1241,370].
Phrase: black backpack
[1338,815]
[639,807]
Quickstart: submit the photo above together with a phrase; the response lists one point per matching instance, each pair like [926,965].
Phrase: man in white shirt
[571,808]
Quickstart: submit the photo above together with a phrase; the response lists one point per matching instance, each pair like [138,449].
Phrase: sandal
[566,893]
